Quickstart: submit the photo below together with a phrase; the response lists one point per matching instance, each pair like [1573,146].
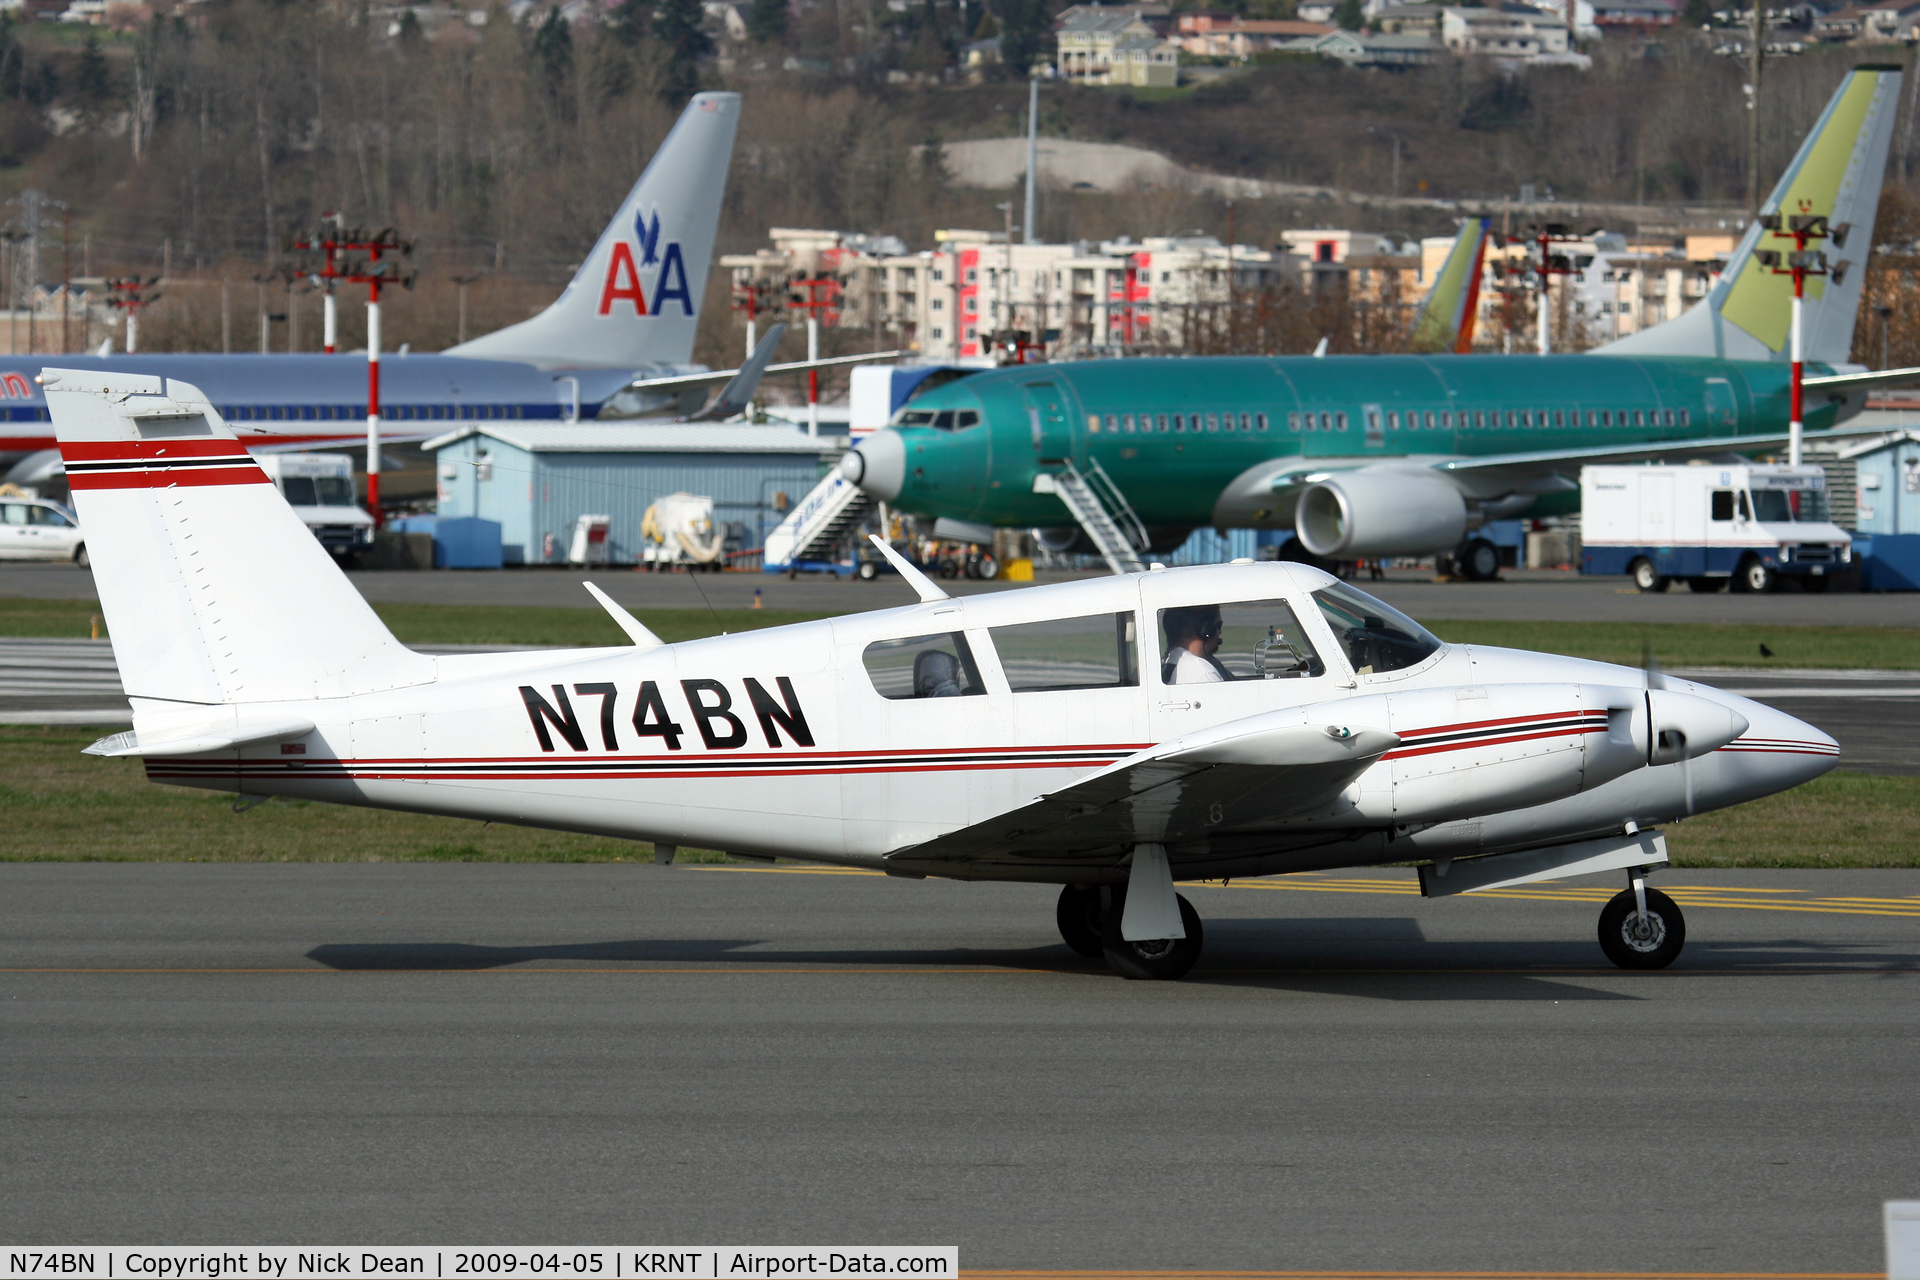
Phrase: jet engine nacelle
[1380,513]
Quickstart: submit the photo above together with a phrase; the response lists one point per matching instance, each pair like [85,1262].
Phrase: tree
[553,51]
[1023,27]
[1349,16]
[1697,13]
[767,20]
[92,78]
[626,23]
[676,25]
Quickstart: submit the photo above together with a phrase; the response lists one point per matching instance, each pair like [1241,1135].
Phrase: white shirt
[1190,668]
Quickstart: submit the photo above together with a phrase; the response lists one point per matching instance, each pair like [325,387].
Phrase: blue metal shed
[1888,471]
[537,479]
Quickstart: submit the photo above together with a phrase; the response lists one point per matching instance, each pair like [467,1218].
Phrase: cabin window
[1160,424]
[1666,417]
[1686,418]
[1511,417]
[1639,418]
[1293,422]
[1446,420]
[1179,422]
[1213,422]
[1526,418]
[1113,423]
[1722,504]
[1593,418]
[938,666]
[1393,419]
[1126,423]
[1606,417]
[1375,636]
[1260,421]
[1246,422]
[1092,652]
[1559,417]
[1259,640]
[1339,420]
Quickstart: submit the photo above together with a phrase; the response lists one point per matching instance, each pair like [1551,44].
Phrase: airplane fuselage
[1176,433]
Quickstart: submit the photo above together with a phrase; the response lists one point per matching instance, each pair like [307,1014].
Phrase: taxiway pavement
[1354,1077]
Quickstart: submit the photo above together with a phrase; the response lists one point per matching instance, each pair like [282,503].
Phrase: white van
[36,529]
[1711,525]
[319,488]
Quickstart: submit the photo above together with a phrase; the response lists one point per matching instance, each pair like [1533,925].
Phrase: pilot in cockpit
[1193,637]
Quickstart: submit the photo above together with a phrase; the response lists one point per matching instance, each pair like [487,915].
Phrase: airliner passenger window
[1339,420]
[939,666]
[1376,637]
[1260,421]
[1293,422]
[1241,640]
[1162,424]
[1092,652]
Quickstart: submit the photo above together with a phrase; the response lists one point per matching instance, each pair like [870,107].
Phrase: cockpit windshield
[938,419]
[1375,636]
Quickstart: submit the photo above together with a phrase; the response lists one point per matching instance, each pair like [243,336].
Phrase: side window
[1093,652]
[13,513]
[1376,636]
[300,491]
[48,516]
[968,418]
[939,666]
[1240,640]
[1293,422]
[1723,504]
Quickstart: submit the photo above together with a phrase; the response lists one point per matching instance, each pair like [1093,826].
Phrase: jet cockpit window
[1094,652]
[938,666]
[1240,640]
[1376,637]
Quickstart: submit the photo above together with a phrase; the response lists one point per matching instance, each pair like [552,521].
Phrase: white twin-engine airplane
[1110,736]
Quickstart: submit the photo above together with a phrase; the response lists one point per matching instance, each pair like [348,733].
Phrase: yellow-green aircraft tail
[1836,176]
[1445,322]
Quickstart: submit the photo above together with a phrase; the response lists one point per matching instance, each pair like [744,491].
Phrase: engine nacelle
[1380,513]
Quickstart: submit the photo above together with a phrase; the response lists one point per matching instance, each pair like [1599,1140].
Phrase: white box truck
[319,488]
[1710,526]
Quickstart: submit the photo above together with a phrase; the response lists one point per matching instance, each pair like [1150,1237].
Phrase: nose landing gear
[1641,928]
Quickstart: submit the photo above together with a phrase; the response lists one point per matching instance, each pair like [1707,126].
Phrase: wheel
[989,568]
[1078,916]
[1753,576]
[1164,959]
[1478,560]
[1632,945]
[1706,586]
[1646,577]
[868,571]
[81,558]
[1815,586]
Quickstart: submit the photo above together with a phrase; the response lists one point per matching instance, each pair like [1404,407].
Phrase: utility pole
[1803,229]
[129,294]
[819,296]
[1233,291]
[1033,151]
[1551,264]
[66,279]
[226,316]
[1757,57]
[1006,271]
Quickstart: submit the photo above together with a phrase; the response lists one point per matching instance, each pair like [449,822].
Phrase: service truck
[319,488]
[1747,525]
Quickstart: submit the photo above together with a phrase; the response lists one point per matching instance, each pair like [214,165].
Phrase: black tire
[1478,560]
[1160,961]
[1646,578]
[1627,947]
[1753,577]
[1706,586]
[868,571]
[1816,586]
[989,569]
[1078,915]
[81,558]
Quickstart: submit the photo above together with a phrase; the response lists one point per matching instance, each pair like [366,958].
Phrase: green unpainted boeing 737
[1366,456]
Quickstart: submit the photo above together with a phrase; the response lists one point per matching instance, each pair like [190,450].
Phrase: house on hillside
[1360,49]
[1635,15]
[1097,45]
[1213,35]
[1515,36]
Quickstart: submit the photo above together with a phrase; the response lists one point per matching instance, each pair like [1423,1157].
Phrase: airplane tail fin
[1837,175]
[738,393]
[1445,322]
[636,299]
[215,593]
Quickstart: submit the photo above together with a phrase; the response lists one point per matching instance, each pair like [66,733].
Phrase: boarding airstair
[1104,513]
[819,525]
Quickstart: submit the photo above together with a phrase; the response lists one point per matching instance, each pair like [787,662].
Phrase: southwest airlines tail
[1837,174]
[198,557]
[1445,322]
[636,299]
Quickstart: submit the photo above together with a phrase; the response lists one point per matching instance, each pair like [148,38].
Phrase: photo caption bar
[473,1262]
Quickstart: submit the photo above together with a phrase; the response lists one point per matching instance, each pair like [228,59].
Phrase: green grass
[57,805]
[1677,644]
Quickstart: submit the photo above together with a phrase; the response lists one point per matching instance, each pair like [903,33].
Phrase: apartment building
[1118,47]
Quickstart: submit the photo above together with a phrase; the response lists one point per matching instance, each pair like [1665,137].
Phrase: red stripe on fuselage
[183,478]
[149,450]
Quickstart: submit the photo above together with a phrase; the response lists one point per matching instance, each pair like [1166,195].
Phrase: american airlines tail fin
[227,596]
[1837,175]
[1445,322]
[636,299]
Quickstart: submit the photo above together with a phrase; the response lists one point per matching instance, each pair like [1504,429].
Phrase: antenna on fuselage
[919,581]
[636,630]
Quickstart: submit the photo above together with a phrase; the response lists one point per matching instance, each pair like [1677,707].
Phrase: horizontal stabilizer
[191,742]
[737,394]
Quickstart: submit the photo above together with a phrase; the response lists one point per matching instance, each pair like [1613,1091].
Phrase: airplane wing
[733,397]
[1248,775]
[1521,467]
[724,375]
[1863,381]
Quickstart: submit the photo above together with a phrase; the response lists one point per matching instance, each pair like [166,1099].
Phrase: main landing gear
[1641,928]
[1090,919]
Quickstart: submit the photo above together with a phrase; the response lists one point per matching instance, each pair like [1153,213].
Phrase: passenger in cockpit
[1193,637]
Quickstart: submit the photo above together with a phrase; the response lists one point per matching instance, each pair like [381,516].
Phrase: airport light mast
[1551,264]
[1801,261]
[354,255]
[129,294]
[820,294]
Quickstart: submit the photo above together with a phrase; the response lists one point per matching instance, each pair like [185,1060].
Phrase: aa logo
[667,267]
